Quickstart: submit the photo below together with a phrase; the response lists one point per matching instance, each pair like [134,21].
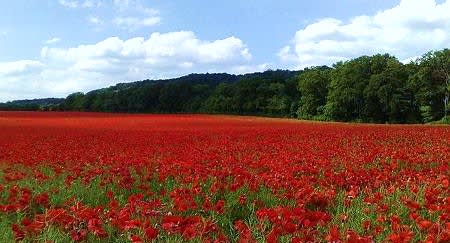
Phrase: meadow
[98,177]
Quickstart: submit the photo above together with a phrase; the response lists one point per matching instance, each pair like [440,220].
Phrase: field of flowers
[87,177]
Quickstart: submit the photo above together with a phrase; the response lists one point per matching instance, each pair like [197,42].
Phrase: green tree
[313,86]
[345,100]
[74,102]
[222,100]
[386,97]
[431,84]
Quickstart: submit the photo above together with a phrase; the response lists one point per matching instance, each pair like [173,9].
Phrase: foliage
[31,105]
[313,86]
[444,120]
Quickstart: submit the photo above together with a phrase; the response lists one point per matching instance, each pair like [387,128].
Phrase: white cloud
[135,6]
[149,11]
[91,4]
[160,49]
[17,79]
[134,23]
[132,15]
[94,20]
[60,71]
[124,5]
[242,69]
[80,4]
[68,3]
[409,29]
[410,59]
[19,67]
[52,41]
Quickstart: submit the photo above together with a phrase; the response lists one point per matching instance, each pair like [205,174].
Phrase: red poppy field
[88,177]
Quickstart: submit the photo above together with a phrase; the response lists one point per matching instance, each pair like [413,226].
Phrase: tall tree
[345,101]
[386,97]
[431,84]
[222,100]
[74,102]
[313,86]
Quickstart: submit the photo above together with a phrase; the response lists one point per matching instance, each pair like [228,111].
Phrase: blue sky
[56,47]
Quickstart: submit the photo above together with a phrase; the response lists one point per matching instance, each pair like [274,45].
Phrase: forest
[373,89]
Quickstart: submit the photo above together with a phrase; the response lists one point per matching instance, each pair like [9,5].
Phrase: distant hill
[194,78]
[190,93]
[195,93]
[33,104]
[43,102]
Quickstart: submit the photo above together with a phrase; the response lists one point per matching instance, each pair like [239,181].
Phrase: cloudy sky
[51,48]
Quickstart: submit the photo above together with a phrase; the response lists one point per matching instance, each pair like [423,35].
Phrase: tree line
[375,89]
[271,93]
[31,105]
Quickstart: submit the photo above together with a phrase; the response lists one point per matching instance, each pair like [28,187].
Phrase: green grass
[94,194]
[444,121]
